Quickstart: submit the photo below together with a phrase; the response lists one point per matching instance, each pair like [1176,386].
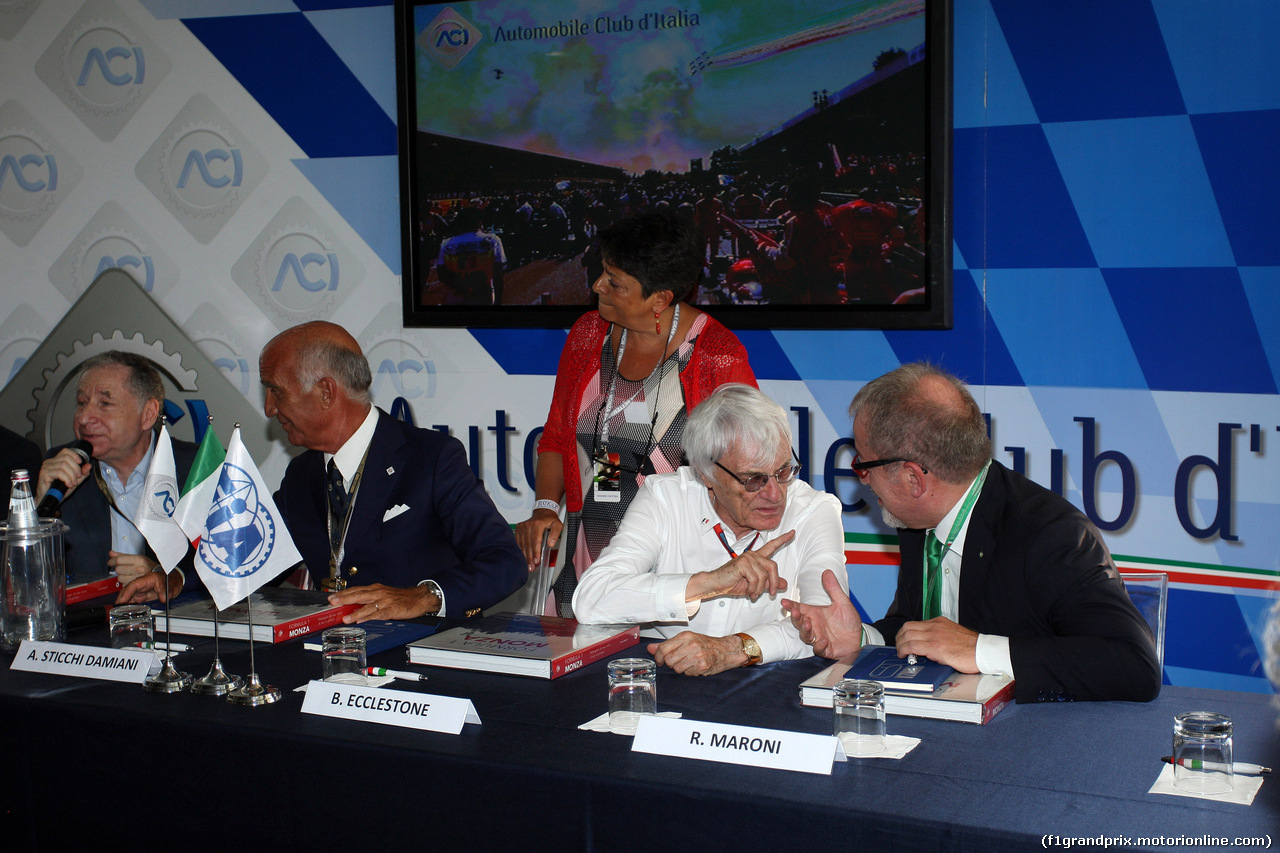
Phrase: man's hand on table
[697,654]
[386,602]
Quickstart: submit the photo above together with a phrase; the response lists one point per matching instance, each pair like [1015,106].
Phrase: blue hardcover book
[882,664]
[383,634]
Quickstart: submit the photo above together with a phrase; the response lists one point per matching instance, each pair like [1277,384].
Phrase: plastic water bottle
[33,581]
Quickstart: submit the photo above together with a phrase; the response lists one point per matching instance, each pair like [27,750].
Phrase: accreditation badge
[608,479]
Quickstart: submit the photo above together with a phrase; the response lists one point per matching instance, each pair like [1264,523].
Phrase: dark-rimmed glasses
[858,465]
[756,482]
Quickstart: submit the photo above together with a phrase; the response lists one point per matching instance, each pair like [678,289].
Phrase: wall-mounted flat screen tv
[808,143]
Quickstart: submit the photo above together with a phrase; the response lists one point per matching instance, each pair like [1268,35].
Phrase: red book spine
[310,624]
[591,654]
[996,703]
[85,591]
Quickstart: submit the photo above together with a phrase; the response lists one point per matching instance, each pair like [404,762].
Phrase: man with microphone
[100,476]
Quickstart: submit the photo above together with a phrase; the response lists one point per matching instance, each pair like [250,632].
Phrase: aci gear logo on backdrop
[102,67]
[202,168]
[296,269]
[112,240]
[36,174]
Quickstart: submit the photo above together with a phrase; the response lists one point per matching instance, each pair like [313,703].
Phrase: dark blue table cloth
[109,761]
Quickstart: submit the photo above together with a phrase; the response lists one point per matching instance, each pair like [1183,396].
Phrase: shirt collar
[349,455]
[136,476]
[944,526]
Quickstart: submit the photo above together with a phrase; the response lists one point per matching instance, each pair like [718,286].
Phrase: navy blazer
[88,517]
[449,532]
[1036,570]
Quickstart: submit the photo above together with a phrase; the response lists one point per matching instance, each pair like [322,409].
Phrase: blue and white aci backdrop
[1117,276]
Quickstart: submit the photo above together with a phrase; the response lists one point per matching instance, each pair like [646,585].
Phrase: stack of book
[925,690]
[279,614]
[523,644]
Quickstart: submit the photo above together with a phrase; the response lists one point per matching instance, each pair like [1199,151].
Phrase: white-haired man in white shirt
[703,555]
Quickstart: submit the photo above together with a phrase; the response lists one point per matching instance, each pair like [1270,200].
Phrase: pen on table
[1216,766]
[164,647]
[395,673]
[911,660]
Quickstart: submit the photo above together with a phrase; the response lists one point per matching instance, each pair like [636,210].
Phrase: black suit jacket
[1036,570]
[448,531]
[88,518]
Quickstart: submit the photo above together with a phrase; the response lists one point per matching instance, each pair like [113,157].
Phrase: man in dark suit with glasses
[999,575]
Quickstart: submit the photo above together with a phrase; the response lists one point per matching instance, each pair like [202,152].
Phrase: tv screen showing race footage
[807,144]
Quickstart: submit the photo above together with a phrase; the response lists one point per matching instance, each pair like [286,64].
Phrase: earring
[657,323]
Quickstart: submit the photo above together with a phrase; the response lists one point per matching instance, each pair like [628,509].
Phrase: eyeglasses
[756,482]
[858,465]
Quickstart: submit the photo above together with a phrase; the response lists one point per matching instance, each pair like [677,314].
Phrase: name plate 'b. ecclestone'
[390,707]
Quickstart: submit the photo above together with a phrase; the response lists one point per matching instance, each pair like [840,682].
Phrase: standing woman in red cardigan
[629,374]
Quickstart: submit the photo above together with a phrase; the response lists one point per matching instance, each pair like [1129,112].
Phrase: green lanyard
[931,580]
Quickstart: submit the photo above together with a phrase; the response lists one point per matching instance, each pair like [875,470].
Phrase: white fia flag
[154,519]
[244,543]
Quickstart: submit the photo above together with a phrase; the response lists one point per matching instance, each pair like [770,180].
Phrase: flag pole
[216,682]
[253,693]
[168,679]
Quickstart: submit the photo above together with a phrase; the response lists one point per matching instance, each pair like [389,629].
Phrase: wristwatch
[434,589]
[751,649]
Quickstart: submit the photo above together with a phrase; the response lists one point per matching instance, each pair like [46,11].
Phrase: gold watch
[751,649]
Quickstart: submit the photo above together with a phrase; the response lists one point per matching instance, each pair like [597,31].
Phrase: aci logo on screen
[102,67]
[449,38]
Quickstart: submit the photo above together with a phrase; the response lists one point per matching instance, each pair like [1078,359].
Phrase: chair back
[1149,592]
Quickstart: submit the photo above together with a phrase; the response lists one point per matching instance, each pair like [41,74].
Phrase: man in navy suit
[1024,584]
[385,515]
[119,398]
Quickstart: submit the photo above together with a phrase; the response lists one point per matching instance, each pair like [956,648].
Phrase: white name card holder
[747,745]
[425,711]
[128,665]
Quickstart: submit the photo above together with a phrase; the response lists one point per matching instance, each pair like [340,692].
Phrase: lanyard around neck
[608,409]
[724,540]
[970,498]
[336,554]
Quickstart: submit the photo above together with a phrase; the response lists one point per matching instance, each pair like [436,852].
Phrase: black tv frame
[417,171]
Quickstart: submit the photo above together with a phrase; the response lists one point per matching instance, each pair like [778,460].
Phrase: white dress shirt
[127,495]
[347,461]
[668,534]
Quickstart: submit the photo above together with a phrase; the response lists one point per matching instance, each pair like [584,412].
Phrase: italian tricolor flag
[197,493]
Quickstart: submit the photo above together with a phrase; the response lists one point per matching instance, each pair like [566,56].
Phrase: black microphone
[57,489]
